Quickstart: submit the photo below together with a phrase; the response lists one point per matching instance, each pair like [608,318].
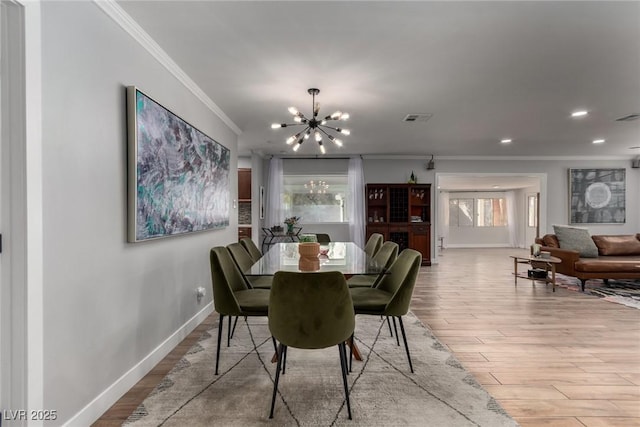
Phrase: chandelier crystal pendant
[318,187]
[314,125]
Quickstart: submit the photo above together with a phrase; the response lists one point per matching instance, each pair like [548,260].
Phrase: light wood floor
[550,359]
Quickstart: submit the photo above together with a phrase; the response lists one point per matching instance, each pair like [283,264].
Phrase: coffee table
[548,263]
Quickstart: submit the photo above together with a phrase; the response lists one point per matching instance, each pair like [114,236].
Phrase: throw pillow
[617,245]
[550,241]
[576,239]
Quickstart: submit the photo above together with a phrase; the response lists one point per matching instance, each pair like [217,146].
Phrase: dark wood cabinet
[244,184]
[402,214]
[244,232]
[244,202]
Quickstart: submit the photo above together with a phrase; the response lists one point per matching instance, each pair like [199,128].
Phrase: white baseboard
[98,406]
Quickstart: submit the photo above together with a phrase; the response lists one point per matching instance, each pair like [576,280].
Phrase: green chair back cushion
[400,282]
[310,310]
[387,254]
[225,279]
[323,238]
[374,243]
[241,256]
[251,247]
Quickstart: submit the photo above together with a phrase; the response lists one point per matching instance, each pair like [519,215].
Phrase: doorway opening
[479,210]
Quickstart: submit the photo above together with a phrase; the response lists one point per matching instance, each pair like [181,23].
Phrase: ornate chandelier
[318,187]
[315,125]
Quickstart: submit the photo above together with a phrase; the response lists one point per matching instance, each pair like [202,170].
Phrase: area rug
[625,292]
[383,391]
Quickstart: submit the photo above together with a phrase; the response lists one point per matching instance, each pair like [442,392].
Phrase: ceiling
[484,70]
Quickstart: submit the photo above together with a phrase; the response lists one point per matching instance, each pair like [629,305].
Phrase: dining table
[345,257]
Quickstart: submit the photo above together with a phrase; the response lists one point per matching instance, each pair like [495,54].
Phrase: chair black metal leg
[351,353]
[275,344]
[280,351]
[284,359]
[406,347]
[229,332]
[219,340]
[396,329]
[343,363]
[389,324]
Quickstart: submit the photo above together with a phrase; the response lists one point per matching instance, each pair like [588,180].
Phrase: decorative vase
[309,256]
[307,264]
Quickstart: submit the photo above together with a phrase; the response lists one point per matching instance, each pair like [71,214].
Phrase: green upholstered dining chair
[244,262]
[323,238]
[231,295]
[392,295]
[251,247]
[385,257]
[374,243]
[310,311]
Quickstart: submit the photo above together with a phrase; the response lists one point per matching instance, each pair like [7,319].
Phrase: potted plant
[290,222]
[309,249]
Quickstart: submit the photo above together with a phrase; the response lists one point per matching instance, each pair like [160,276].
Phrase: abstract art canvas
[178,177]
[597,196]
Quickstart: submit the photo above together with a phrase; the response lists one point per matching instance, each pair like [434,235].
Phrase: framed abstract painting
[178,177]
[597,196]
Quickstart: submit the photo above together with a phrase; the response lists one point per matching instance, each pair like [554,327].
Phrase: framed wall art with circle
[597,196]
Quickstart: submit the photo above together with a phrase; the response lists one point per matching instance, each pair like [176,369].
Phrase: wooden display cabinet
[244,184]
[244,203]
[402,214]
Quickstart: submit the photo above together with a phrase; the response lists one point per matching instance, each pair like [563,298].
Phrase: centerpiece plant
[290,222]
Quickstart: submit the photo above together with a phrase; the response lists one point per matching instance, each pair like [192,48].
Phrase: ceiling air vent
[418,117]
[629,118]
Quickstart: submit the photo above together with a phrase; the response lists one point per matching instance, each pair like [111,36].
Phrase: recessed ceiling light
[598,141]
[495,186]
[579,113]
[505,141]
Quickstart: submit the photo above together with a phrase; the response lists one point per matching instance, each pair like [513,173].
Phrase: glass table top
[345,257]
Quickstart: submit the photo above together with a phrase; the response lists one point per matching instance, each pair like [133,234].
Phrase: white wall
[108,303]
[555,210]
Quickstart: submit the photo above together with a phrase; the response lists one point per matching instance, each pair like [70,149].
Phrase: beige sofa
[618,258]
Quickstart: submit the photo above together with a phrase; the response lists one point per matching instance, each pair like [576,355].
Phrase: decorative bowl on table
[324,251]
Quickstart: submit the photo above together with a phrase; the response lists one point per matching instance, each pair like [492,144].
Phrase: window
[461,212]
[491,212]
[316,198]
[488,212]
[532,214]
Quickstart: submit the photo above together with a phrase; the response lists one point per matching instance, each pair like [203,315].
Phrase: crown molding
[122,18]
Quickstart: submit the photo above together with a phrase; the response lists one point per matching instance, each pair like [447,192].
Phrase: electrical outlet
[200,292]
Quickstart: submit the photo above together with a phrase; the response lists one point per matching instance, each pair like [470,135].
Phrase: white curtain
[274,214]
[512,219]
[443,217]
[356,188]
